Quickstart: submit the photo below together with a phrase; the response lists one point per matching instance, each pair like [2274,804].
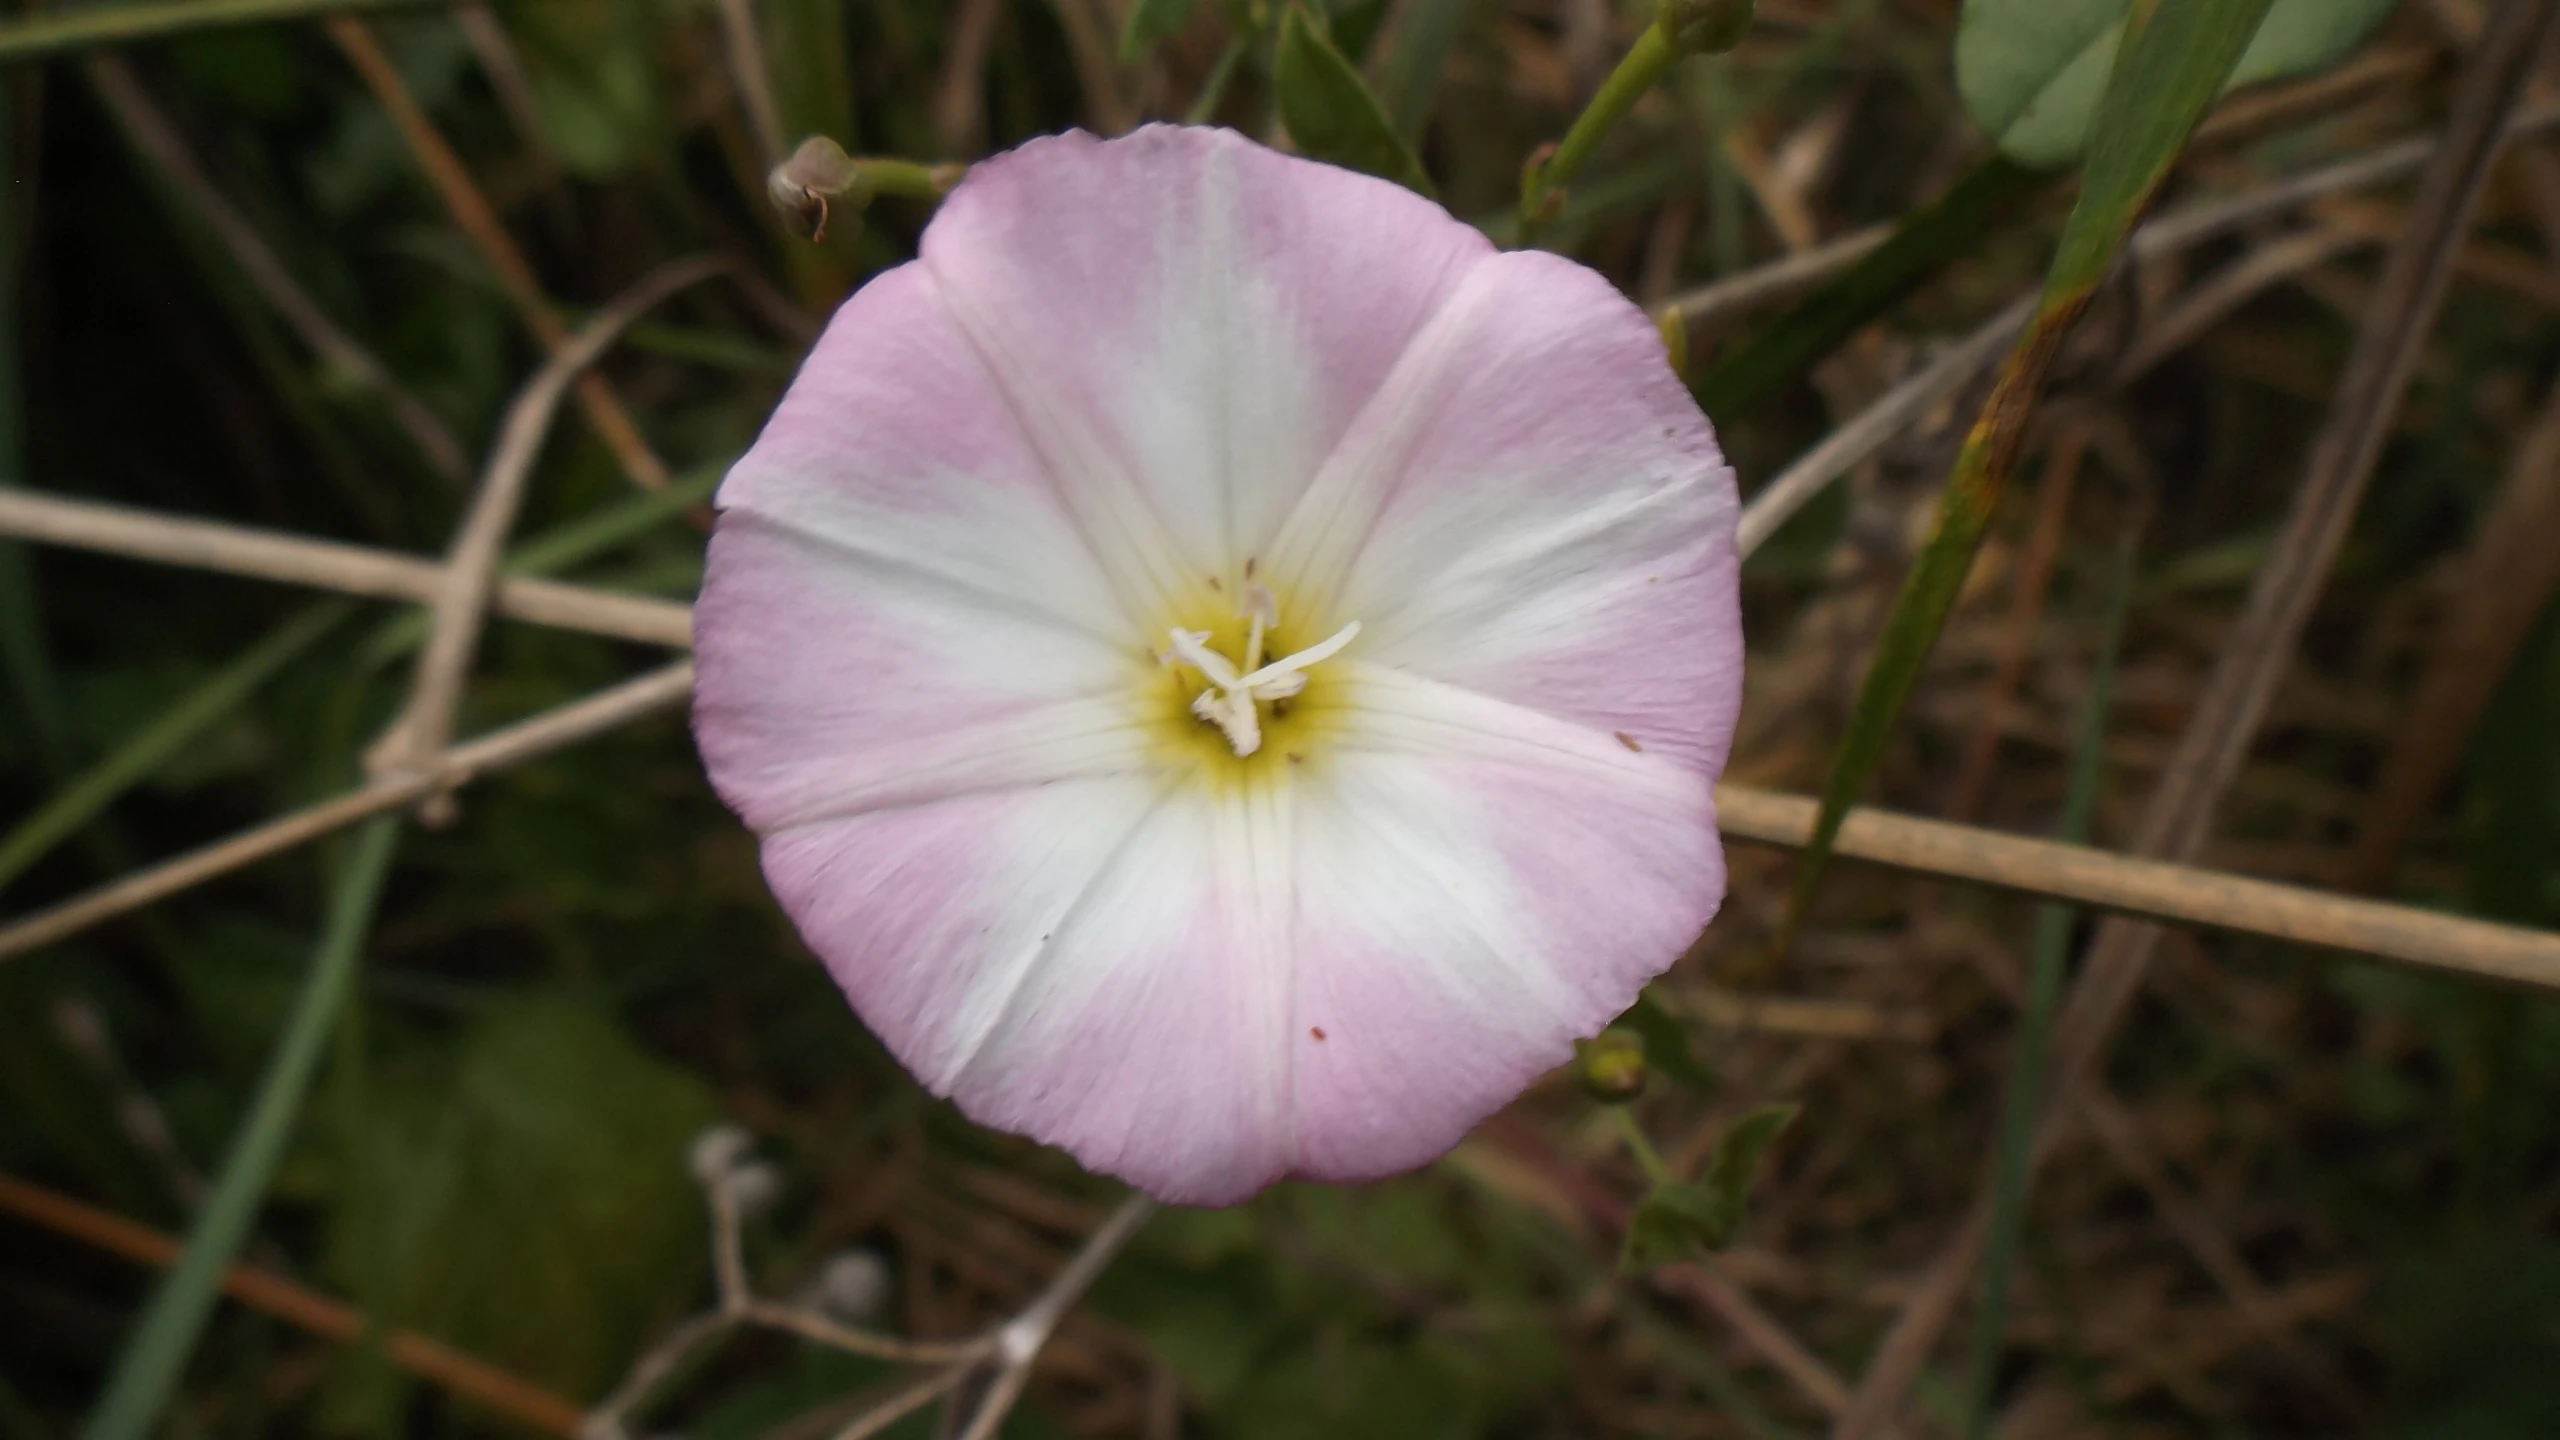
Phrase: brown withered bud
[818,181]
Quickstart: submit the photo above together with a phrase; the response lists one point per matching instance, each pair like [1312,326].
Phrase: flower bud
[818,177]
[852,1286]
[1703,27]
[718,1151]
[754,1187]
[1610,1069]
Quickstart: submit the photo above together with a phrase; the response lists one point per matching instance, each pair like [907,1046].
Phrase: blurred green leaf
[1409,74]
[1151,23]
[2177,55]
[530,1193]
[1329,110]
[1679,1220]
[2033,71]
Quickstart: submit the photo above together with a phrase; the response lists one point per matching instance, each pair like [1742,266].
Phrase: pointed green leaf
[2176,57]
[1329,110]
[2032,71]
[1151,23]
[1736,1167]
[1679,1222]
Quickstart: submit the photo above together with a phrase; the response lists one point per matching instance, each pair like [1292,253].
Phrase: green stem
[156,1355]
[2035,1033]
[1644,64]
[1641,1146]
[42,35]
[913,179]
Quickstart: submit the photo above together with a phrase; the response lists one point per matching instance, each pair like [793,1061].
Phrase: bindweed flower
[1229,669]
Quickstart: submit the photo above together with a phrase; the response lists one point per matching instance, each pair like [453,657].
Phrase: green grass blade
[1329,110]
[2175,58]
[2035,1027]
[1921,245]
[156,1354]
[812,74]
[38,36]
[195,713]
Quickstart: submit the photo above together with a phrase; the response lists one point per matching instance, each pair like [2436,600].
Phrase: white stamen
[1233,702]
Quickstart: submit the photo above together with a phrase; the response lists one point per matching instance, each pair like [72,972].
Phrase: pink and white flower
[1229,668]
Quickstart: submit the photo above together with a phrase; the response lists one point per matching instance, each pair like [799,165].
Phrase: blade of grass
[2035,1027]
[191,717]
[89,28]
[1922,244]
[156,1354]
[2174,61]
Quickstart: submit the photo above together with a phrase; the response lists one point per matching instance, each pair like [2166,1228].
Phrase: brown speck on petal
[1297,759]
[1316,1030]
[1627,740]
[1248,567]
[1214,585]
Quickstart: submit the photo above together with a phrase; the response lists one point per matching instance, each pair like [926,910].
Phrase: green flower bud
[1610,1068]
[1703,27]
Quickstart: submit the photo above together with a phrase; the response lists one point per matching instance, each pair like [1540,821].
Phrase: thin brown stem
[479,221]
[272,1294]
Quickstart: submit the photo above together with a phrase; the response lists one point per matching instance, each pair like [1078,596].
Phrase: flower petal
[1187,323]
[1533,508]
[895,605]
[1479,885]
[1096,964]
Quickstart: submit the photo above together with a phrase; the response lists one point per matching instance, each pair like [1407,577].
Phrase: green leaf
[1329,110]
[148,1369]
[1151,23]
[528,1194]
[1679,1221]
[2032,71]
[2176,57]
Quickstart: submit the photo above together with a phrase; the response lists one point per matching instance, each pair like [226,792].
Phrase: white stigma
[1235,694]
